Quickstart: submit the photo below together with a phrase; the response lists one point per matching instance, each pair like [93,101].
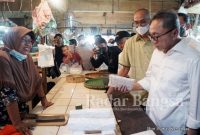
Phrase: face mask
[17,55]
[102,50]
[182,32]
[142,30]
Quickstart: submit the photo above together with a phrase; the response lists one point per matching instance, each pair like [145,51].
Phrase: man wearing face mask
[184,24]
[138,49]
[105,54]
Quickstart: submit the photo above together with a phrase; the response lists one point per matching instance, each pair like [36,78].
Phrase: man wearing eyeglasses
[137,51]
[172,78]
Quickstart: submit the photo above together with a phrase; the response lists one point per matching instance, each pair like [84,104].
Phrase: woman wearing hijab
[19,79]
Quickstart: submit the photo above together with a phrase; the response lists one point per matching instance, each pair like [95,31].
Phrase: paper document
[149,132]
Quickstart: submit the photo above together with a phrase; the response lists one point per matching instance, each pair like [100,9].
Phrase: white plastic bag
[64,68]
[45,58]
[75,69]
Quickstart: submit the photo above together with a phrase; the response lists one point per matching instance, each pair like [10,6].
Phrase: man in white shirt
[172,78]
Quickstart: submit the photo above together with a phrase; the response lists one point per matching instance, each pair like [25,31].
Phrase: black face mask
[102,50]
[182,32]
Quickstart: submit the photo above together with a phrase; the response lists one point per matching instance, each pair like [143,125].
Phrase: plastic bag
[75,69]
[45,58]
[64,68]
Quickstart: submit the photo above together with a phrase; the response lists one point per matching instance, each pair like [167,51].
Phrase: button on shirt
[173,81]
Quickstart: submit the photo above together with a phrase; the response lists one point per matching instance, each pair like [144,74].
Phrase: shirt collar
[138,38]
[179,47]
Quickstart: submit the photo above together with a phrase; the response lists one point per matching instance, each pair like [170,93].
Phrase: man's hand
[122,89]
[95,52]
[124,71]
[192,132]
[110,90]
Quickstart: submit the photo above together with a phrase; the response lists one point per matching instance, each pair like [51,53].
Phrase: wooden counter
[132,119]
[66,96]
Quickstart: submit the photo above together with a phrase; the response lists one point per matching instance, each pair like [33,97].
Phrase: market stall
[70,96]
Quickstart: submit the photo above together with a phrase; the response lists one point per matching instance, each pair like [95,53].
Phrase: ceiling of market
[88,13]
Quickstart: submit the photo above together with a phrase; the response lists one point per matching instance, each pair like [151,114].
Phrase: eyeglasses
[27,41]
[155,38]
[139,23]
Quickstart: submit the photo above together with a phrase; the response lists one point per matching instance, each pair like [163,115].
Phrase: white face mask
[142,30]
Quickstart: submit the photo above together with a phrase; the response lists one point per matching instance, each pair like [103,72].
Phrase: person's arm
[192,132]
[40,92]
[9,98]
[143,84]
[78,59]
[193,120]
[136,87]
[124,60]
[124,71]
[45,103]
[97,62]
[13,112]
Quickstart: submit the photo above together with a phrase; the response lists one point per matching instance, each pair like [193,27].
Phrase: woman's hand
[70,55]
[45,103]
[66,60]
[14,115]
[24,128]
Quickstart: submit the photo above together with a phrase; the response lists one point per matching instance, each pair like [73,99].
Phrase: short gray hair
[145,11]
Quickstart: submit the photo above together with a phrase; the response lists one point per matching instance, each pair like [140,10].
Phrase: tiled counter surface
[65,97]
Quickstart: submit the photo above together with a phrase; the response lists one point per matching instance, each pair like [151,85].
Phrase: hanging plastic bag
[43,20]
[45,58]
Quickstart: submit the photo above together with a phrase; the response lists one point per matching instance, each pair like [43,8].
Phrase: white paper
[92,113]
[119,81]
[149,132]
[45,58]
[92,119]
[83,124]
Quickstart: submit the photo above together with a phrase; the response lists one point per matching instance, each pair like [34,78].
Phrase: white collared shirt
[173,82]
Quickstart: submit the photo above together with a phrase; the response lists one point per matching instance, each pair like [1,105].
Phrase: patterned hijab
[19,75]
